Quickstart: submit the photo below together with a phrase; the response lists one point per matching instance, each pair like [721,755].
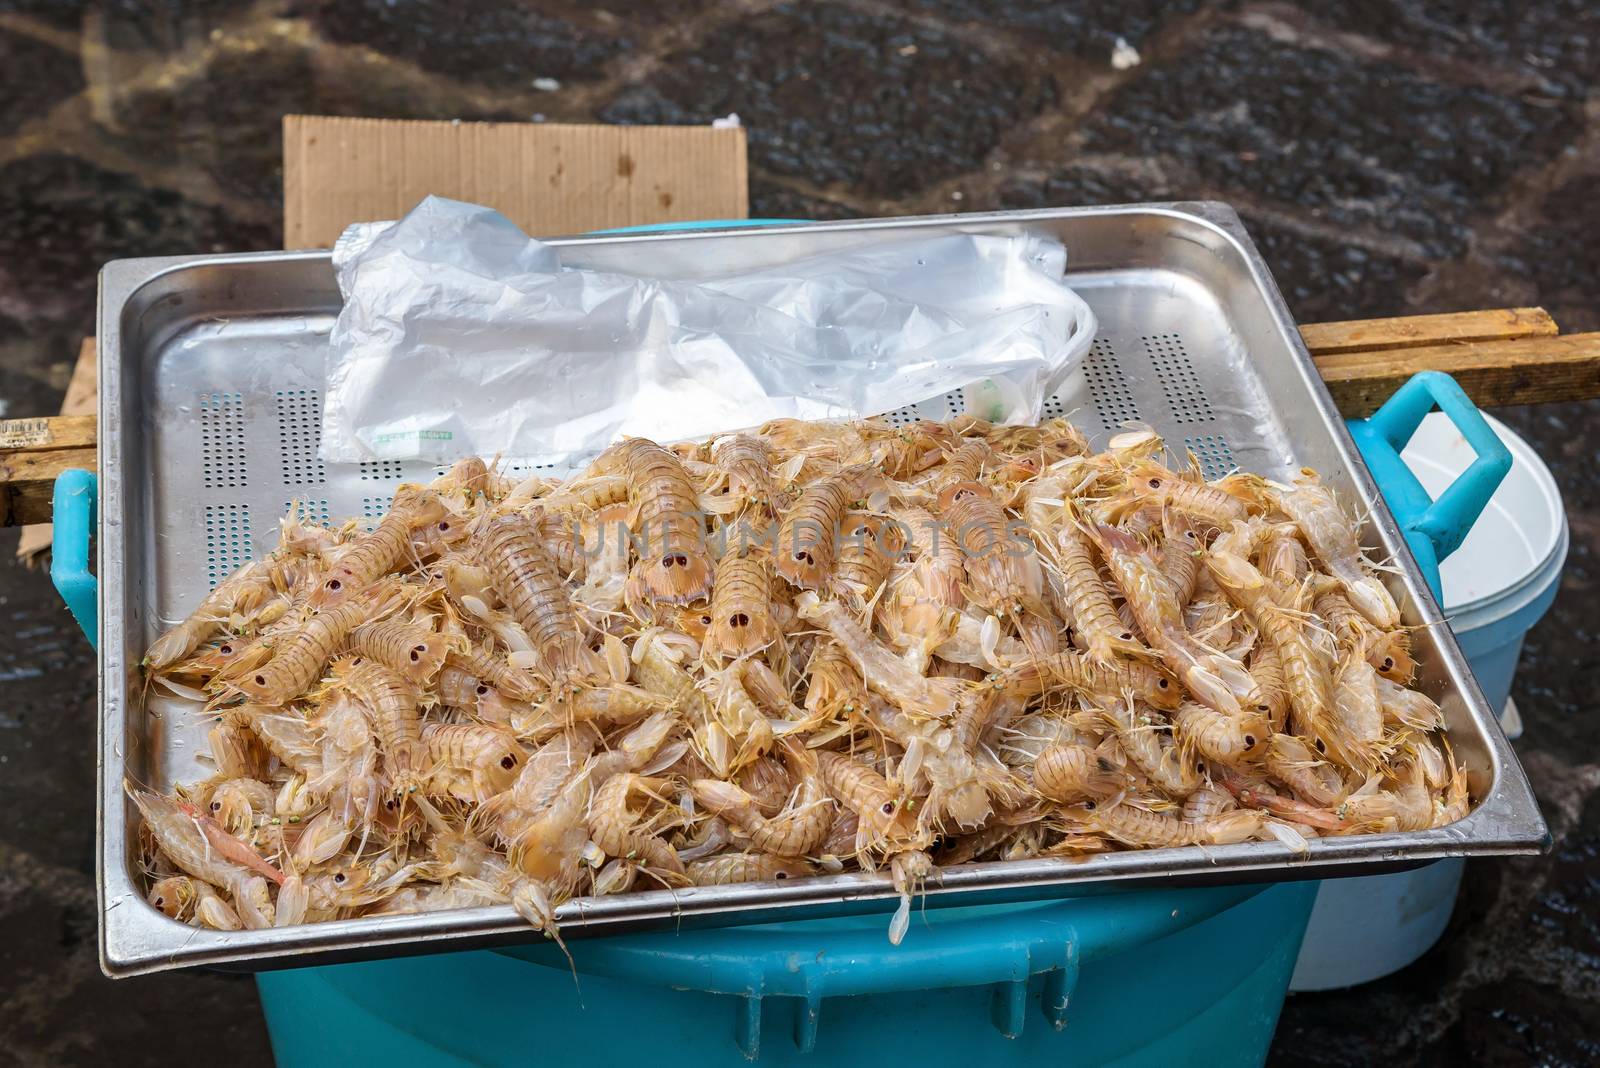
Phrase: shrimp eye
[1088,804]
[159,902]
[1321,748]
[706,620]
[1388,663]
[508,762]
[780,875]
[420,648]
[482,690]
[1103,763]
[216,806]
[803,556]
[1161,684]
[261,680]
[226,650]
[666,561]
[738,619]
[335,585]
[1155,483]
[682,561]
[389,804]
[1249,740]
[1127,636]
[888,808]
[444,526]
[414,656]
[339,878]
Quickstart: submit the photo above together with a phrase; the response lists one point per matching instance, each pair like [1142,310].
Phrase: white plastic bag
[462,336]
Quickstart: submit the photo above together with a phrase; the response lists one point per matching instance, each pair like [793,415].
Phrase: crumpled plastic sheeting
[460,335]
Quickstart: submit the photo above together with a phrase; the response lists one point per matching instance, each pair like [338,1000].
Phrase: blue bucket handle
[1433,528]
[73,505]
[806,962]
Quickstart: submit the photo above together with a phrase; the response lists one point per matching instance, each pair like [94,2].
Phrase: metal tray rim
[182,945]
[135,938]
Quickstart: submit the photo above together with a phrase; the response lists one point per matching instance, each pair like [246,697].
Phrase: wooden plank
[83,395]
[1415,331]
[1522,371]
[27,481]
[47,432]
[83,392]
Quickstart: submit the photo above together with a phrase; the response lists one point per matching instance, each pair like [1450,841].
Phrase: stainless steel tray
[212,370]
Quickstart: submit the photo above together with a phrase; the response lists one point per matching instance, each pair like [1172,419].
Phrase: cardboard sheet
[549,179]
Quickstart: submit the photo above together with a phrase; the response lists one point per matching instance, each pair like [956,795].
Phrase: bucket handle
[1433,528]
[72,523]
[808,964]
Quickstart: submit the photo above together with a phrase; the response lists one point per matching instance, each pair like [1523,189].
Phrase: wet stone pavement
[1389,156]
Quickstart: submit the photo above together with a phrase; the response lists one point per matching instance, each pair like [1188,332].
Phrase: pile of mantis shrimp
[807,649]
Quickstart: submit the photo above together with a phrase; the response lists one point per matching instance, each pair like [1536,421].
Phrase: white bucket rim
[1506,600]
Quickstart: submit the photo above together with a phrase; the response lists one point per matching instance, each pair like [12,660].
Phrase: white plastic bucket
[1503,578]
[1496,587]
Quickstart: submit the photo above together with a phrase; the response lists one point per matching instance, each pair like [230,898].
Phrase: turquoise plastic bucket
[1146,977]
